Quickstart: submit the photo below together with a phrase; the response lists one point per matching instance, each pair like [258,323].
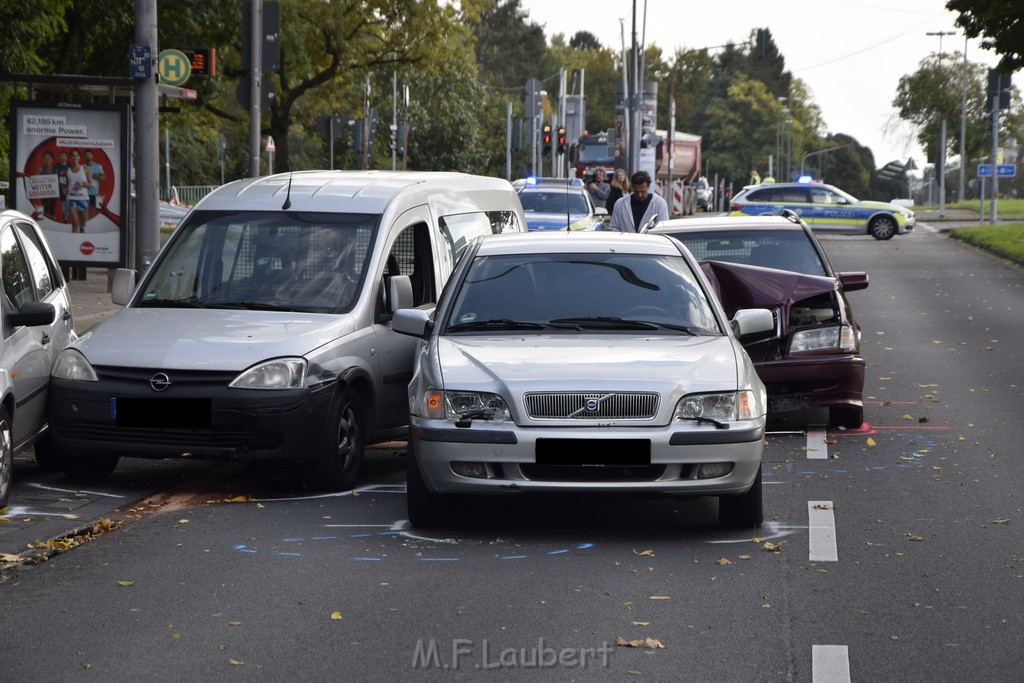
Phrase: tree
[584,40]
[1002,24]
[925,98]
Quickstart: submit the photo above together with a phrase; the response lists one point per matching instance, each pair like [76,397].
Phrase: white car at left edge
[35,307]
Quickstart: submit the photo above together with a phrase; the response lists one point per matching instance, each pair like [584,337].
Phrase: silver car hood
[206,339]
[564,362]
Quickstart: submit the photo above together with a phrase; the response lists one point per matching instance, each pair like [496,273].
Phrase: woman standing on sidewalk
[79,182]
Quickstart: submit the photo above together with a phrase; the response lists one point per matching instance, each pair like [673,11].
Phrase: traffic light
[561,140]
[546,138]
[393,142]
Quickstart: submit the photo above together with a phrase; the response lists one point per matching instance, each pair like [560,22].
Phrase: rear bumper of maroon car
[813,382]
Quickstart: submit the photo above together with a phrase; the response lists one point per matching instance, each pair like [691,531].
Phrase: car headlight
[732,405]
[280,373]
[456,405]
[71,364]
[841,338]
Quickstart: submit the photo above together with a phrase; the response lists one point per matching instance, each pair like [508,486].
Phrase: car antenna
[288,195]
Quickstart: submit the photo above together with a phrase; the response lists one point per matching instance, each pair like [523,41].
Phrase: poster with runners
[69,171]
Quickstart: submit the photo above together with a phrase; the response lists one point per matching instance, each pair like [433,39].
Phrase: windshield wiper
[188,302]
[496,324]
[606,322]
[252,306]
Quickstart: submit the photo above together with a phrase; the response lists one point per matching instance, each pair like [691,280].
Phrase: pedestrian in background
[599,189]
[634,210]
[618,187]
[755,177]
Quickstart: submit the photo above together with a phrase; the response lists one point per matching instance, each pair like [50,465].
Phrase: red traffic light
[546,137]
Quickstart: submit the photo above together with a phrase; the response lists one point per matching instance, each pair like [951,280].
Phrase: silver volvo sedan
[583,362]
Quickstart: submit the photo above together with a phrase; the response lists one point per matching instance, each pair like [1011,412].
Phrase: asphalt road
[891,553]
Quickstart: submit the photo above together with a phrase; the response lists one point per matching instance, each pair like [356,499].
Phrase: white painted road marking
[830,664]
[821,523]
[817,449]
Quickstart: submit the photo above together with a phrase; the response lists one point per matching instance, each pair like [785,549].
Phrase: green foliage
[1006,239]
[1000,22]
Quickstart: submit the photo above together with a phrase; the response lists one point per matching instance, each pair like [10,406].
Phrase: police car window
[791,196]
[760,195]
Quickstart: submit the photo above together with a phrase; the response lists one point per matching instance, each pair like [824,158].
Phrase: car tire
[742,510]
[6,457]
[48,457]
[89,468]
[341,457]
[883,227]
[425,508]
[850,417]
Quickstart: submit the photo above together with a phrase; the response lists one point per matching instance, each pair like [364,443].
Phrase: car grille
[595,405]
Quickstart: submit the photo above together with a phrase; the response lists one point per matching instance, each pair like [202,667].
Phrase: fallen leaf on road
[238,499]
[772,547]
[645,553]
[235,662]
[1001,520]
[915,537]
[125,583]
[649,643]
[182,521]
[722,561]
[659,597]
[234,623]
[871,442]
[336,615]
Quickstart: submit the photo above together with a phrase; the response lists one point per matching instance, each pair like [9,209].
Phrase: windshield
[553,202]
[272,260]
[783,249]
[572,291]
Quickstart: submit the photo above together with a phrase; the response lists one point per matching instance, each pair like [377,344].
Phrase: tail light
[736,206]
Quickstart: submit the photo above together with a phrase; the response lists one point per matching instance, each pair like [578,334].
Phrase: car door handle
[45,339]
[66,315]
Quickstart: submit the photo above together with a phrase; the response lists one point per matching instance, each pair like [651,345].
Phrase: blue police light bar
[805,179]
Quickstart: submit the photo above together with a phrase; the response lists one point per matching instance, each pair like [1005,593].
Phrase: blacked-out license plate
[161,413]
[593,452]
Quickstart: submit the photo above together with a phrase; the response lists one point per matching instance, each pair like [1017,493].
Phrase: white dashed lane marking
[830,664]
[821,525]
[817,448]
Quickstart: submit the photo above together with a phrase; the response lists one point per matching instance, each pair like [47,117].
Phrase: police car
[825,209]
[558,204]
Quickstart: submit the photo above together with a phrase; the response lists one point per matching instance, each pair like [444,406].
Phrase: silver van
[262,330]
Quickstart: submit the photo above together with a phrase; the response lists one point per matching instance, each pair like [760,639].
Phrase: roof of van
[348,191]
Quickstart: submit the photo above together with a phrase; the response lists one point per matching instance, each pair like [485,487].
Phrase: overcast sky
[850,54]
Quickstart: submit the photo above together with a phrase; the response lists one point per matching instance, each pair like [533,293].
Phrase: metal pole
[167,162]
[147,143]
[394,118]
[942,169]
[995,153]
[508,141]
[255,96]
[963,123]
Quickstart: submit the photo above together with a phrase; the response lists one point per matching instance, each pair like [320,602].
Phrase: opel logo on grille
[593,404]
[159,381]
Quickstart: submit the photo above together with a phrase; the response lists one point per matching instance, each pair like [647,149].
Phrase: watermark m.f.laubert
[471,654]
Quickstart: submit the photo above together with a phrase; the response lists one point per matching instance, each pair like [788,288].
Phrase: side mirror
[414,322]
[123,286]
[399,292]
[749,321]
[851,282]
[32,314]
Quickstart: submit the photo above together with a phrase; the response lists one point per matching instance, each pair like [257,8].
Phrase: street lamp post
[963,123]
[942,136]
[819,152]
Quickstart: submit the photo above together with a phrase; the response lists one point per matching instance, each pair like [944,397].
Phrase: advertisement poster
[70,172]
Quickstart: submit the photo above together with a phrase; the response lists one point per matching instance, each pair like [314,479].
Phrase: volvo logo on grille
[593,404]
[159,381]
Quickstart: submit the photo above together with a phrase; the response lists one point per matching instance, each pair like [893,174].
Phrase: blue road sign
[140,61]
[1006,170]
[984,170]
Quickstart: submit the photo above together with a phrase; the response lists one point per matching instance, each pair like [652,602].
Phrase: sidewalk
[90,299]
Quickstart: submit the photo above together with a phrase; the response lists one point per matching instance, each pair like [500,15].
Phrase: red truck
[678,164]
